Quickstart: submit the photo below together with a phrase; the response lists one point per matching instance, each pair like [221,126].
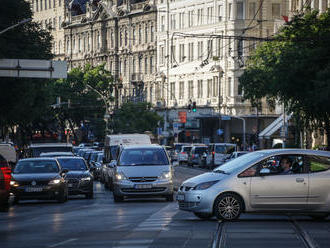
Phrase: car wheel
[170,198]
[118,198]
[319,217]
[110,186]
[106,185]
[203,215]
[62,198]
[228,206]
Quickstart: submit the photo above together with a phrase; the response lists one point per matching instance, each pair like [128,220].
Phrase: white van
[8,152]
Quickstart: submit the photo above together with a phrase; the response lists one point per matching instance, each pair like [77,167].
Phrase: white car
[184,154]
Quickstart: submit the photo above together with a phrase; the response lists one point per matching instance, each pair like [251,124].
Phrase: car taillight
[192,156]
[213,153]
[6,171]
[183,153]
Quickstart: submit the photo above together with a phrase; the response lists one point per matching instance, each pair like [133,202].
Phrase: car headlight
[120,176]
[205,185]
[86,179]
[55,181]
[167,175]
[14,183]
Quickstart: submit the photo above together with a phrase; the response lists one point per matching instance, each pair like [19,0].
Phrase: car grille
[29,183]
[73,181]
[130,190]
[142,179]
[183,204]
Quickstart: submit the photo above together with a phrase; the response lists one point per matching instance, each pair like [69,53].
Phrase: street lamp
[16,25]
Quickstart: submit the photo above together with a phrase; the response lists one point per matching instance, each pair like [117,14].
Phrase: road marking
[62,243]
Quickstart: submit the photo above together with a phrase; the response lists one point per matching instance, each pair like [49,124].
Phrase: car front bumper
[48,192]
[77,187]
[156,188]
[195,200]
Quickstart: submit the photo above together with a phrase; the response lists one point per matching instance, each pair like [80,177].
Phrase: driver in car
[285,166]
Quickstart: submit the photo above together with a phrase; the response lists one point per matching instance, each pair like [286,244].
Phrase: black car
[40,179]
[79,177]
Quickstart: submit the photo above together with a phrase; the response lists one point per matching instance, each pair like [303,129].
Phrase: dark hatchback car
[79,177]
[4,183]
[39,179]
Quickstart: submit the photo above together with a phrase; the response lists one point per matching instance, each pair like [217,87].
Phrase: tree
[23,102]
[87,92]
[294,69]
[135,118]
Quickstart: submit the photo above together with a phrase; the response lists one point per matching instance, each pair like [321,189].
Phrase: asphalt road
[100,222]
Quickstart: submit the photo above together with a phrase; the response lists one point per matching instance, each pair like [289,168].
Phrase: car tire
[203,216]
[118,198]
[319,217]
[170,198]
[228,206]
[110,186]
[106,185]
[63,197]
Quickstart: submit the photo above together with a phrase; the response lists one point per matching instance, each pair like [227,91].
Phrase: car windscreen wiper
[221,171]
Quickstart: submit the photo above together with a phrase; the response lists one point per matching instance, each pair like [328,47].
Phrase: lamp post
[16,25]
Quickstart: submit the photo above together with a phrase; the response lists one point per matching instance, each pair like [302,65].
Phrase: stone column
[313,4]
[321,9]
[301,5]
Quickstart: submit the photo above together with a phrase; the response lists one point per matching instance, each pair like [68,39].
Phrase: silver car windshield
[143,156]
[239,162]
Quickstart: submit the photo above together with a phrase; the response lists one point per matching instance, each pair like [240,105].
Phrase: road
[100,222]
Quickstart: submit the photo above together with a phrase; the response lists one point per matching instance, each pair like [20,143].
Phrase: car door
[278,191]
[319,178]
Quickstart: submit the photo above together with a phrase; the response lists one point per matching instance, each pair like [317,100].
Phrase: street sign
[219,131]
[182,116]
[32,68]
[225,118]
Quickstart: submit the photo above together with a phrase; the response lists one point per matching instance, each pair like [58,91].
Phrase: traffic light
[194,108]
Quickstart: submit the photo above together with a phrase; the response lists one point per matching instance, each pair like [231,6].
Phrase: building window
[151,65]
[134,36]
[220,13]
[218,48]
[172,97]
[37,5]
[173,53]
[120,38]
[145,65]
[200,88]
[126,38]
[240,10]
[229,10]
[191,18]
[181,90]
[158,91]
[161,55]
[54,23]
[181,20]
[200,50]
[252,10]
[200,16]
[209,88]
[50,4]
[239,89]
[150,99]
[240,48]
[146,34]
[140,65]
[68,46]
[276,10]
[191,51]
[59,22]
[173,21]
[88,43]
[229,91]
[181,53]
[79,44]
[133,66]
[215,86]
[59,2]
[55,47]
[210,15]
[210,48]
[54,3]
[74,45]
[45,4]
[84,44]
[140,35]
[59,47]
[98,40]
[190,89]
[125,68]
[40,5]
[152,33]
[162,23]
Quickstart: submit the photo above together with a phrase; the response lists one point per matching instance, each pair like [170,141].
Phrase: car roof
[36,159]
[231,144]
[72,157]
[50,145]
[142,146]
[296,151]
[55,153]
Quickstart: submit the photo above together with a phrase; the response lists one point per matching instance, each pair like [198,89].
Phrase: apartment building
[200,58]
[51,15]
[301,5]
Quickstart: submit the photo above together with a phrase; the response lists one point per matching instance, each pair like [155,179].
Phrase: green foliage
[135,118]
[24,102]
[84,89]
[295,70]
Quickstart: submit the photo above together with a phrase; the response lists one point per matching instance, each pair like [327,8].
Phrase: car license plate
[31,189]
[70,185]
[180,197]
[143,186]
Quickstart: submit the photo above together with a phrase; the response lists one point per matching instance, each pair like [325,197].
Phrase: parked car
[218,153]
[39,178]
[143,170]
[55,154]
[183,154]
[236,155]
[93,158]
[176,150]
[4,183]
[250,183]
[196,154]
[98,167]
[79,177]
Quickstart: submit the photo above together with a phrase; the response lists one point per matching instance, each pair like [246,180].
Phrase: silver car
[283,181]
[143,170]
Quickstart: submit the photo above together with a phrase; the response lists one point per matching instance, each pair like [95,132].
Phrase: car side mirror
[63,172]
[113,163]
[104,160]
[264,172]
